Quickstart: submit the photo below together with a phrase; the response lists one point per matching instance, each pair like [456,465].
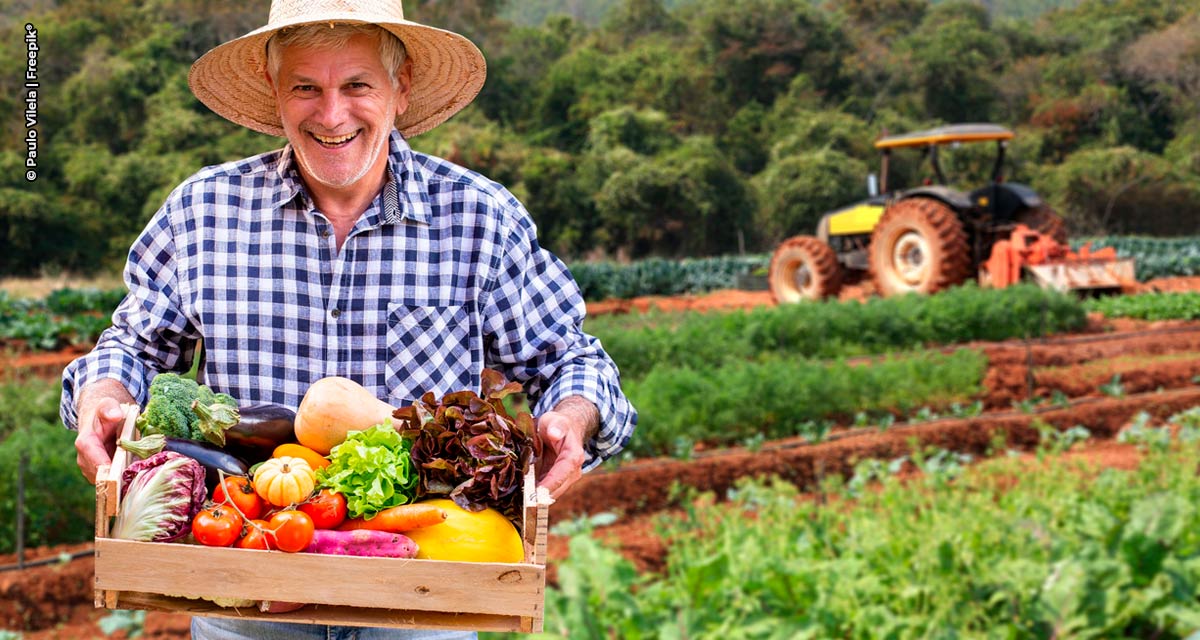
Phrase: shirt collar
[407,183]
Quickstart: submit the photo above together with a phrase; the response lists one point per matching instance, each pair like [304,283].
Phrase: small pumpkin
[285,480]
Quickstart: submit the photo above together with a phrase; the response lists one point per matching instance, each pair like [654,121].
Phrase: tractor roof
[946,135]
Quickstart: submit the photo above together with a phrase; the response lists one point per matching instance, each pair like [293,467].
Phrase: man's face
[338,107]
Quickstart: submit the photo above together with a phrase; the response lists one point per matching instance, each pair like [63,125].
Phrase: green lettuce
[372,469]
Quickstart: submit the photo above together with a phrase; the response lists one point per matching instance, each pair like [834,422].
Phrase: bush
[796,190]
[1120,190]
[59,503]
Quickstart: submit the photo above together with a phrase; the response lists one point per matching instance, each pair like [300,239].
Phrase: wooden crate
[373,592]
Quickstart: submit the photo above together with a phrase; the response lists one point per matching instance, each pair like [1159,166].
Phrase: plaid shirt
[440,277]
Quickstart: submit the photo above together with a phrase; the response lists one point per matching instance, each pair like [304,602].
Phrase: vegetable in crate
[181,408]
[332,408]
[379,544]
[213,459]
[372,469]
[468,536]
[468,448]
[159,497]
[284,481]
[260,429]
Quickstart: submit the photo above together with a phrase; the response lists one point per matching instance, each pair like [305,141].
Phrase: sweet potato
[362,542]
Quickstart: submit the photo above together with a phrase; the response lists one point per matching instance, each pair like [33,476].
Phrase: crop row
[998,552]
[745,402]
[833,329]
[1150,306]
[1155,257]
[66,316]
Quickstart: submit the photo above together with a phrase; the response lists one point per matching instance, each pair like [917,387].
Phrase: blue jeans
[232,629]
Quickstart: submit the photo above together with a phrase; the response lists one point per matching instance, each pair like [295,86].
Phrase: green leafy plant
[997,552]
[133,623]
[1113,388]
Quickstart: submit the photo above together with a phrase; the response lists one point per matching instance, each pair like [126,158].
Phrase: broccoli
[181,408]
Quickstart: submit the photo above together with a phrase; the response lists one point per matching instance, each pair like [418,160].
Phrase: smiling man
[346,253]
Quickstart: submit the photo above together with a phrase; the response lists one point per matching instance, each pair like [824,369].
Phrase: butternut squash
[333,407]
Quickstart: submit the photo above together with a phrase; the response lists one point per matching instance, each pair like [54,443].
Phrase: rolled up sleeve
[149,333]
[534,334]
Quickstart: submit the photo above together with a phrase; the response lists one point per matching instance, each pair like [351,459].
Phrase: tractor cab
[995,203]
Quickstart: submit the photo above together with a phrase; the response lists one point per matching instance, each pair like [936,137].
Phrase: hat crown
[299,10]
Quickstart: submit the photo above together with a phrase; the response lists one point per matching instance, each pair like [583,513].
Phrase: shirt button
[324,233]
[335,313]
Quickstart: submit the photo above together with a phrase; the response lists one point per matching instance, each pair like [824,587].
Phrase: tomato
[217,526]
[326,508]
[293,530]
[255,537]
[241,494]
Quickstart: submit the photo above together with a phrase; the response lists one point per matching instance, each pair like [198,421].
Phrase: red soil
[56,601]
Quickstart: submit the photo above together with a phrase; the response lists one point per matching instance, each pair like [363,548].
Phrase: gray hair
[391,49]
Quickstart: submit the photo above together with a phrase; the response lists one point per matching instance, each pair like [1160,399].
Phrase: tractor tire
[919,246]
[804,268]
[1045,221]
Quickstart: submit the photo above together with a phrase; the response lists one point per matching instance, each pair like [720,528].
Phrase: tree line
[662,128]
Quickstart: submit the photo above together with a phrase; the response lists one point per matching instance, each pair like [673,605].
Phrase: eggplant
[210,457]
[262,427]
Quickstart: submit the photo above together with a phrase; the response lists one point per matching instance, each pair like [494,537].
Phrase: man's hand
[561,434]
[100,420]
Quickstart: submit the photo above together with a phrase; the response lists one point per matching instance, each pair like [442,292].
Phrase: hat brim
[448,71]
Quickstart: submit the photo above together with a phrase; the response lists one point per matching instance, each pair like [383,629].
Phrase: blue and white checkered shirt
[441,277]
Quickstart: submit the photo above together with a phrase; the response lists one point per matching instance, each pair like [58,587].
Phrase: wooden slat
[385,583]
[327,614]
[112,478]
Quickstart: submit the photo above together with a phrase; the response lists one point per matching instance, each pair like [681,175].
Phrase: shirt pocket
[429,349]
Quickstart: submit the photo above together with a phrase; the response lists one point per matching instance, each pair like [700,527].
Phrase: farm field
[1106,376]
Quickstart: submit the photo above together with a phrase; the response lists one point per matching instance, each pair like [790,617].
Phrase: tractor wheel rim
[803,278]
[909,258]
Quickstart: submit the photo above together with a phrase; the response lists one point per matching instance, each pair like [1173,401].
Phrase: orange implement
[1054,265]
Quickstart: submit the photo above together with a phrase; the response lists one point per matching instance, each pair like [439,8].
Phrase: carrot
[405,517]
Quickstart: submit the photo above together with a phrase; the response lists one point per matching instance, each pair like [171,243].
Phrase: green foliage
[66,316]
[998,552]
[1150,306]
[777,396]
[634,127]
[954,57]
[835,329]
[688,201]
[795,191]
[657,276]
[59,503]
[25,402]
[1089,185]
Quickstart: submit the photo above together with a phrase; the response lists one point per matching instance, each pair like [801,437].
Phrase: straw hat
[447,69]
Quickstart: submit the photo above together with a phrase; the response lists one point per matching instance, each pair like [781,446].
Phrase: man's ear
[403,86]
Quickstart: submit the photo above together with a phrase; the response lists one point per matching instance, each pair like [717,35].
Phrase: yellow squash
[486,536]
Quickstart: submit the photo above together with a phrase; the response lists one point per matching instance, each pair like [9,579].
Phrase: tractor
[930,237]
